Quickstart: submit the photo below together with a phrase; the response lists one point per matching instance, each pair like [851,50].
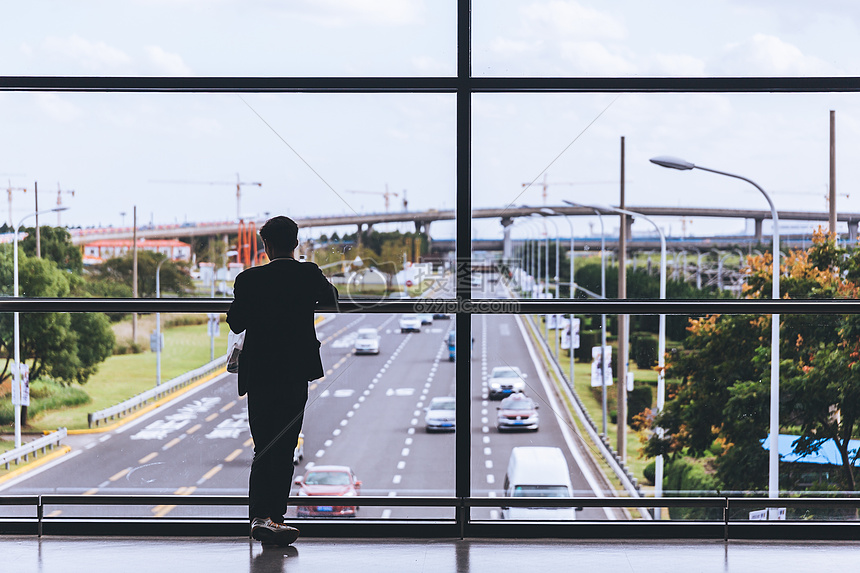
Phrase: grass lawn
[121,377]
[582,385]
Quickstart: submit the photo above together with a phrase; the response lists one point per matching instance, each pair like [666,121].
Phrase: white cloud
[594,58]
[770,56]
[430,65]
[91,56]
[57,108]
[342,13]
[572,20]
[676,65]
[166,63]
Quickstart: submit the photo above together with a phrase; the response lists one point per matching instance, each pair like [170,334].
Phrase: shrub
[638,400]
[644,349]
[587,340]
[683,475]
[45,395]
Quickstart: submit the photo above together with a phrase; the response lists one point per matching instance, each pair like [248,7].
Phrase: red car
[328,481]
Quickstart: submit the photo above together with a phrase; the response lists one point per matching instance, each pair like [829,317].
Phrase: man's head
[280,235]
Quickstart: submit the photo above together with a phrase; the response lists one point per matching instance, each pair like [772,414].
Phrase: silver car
[441,414]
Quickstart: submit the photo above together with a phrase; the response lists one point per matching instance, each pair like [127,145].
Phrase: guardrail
[23,452]
[155,393]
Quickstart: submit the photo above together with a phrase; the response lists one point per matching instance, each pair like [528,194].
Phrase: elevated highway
[423,220]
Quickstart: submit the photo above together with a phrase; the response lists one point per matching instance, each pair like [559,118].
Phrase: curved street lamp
[773,452]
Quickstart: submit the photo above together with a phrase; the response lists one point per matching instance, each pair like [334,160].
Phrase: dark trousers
[275,415]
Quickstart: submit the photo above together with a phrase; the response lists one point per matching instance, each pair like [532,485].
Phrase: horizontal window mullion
[429,84]
[452,306]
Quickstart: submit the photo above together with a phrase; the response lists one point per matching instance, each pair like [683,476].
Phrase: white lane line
[344,422]
[491,494]
[328,443]
[401,464]
[396,479]
[487,451]
[410,431]
[485,429]
[90,446]
[404,452]
[408,441]
[491,478]
[488,464]
[486,439]
[350,414]
[320,453]
[392,494]
[105,438]
[494,514]
[386,514]
[416,413]
[486,420]
[414,421]
[336,432]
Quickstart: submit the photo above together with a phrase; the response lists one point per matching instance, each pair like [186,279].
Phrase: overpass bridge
[506,216]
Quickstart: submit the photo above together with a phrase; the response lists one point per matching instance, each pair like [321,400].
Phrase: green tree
[174,276]
[62,346]
[723,391]
[55,244]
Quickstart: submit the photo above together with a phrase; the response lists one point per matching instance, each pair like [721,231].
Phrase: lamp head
[58,209]
[547,211]
[672,163]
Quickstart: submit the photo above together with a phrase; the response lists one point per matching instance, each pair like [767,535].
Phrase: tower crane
[545,184]
[386,194]
[60,192]
[239,184]
[9,190]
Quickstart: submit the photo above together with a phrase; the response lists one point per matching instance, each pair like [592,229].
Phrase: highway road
[367,413]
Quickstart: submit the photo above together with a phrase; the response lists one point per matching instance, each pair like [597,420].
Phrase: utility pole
[622,324]
[9,190]
[832,174]
[134,277]
[38,233]
[60,200]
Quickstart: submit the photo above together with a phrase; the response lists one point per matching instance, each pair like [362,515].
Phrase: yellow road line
[193,429]
[162,510]
[249,442]
[93,491]
[55,513]
[212,472]
[151,407]
[171,443]
[211,417]
[226,407]
[235,454]
[40,461]
[147,457]
[118,474]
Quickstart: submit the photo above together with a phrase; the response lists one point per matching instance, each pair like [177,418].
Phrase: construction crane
[386,194]
[9,190]
[60,192]
[239,184]
[826,194]
[545,184]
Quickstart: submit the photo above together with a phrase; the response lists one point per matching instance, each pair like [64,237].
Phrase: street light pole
[158,324]
[17,325]
[557,283]
[773,452]
[603,295]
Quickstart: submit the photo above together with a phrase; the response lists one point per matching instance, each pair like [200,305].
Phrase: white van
[538,472]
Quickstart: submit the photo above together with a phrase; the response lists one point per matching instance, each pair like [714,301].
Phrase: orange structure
[247,244]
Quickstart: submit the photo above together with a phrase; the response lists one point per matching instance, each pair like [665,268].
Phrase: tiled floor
[214,555]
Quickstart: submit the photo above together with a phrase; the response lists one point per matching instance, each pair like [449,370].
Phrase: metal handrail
[32,447]
[450,305]
[137,401]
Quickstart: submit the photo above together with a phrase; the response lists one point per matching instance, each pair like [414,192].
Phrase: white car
[504,381]
[441,414]
[410,323]
[367,341]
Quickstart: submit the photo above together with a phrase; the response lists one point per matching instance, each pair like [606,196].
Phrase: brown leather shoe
[265,530]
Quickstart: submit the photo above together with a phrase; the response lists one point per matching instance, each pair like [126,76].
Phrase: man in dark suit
[274,304]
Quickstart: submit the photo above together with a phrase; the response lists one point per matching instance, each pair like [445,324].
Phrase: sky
[176,157]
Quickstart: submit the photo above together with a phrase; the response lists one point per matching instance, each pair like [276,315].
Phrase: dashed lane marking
[212,416]
[147,458]
[233,455]
[208,475]
[193,429]
[119,474]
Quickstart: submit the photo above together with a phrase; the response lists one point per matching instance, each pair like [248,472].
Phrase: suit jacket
[274,304]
